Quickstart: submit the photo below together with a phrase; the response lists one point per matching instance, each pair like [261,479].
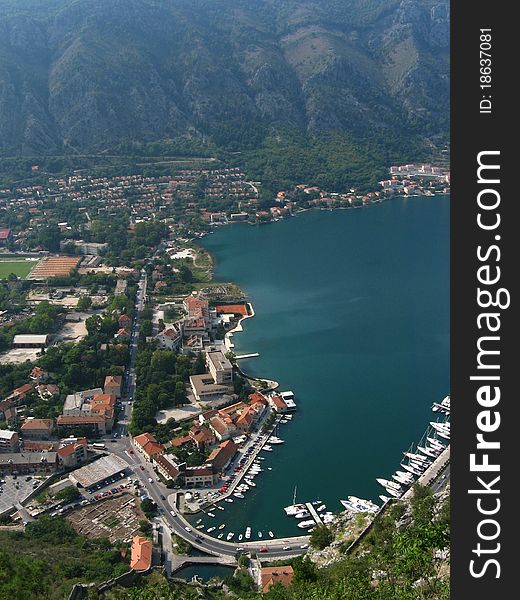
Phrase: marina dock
[252,355]
[314,514]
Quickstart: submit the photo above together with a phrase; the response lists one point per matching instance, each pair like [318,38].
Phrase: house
[122,334]
[166,466]
[22,391]
[202,437]
[113,385]
[38,375]
[203,475]
[147,445]
[196,307]
[72,452]
[278,403]
[142,554]
[220,368]
[9,441]
[26,340]
[95,422]
[46,391]
[79,402]
[8,411]
[28,462]
[223,429]
[222,456]
[5,236]
[170,338]
[37,429]
[271,575]
[121,286]
[125,322]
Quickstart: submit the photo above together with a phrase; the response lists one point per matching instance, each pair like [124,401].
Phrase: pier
[252,355]
[432,472]
[314,514]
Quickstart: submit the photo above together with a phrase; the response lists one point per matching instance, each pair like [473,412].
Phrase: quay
[314,514]
[432,472]
[179,561]
[243,472]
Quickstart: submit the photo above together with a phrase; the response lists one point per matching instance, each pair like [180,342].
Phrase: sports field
[21,268]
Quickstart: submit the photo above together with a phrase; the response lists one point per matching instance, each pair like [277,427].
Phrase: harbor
[351,426]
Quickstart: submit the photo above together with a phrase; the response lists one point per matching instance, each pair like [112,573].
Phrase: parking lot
[15,489]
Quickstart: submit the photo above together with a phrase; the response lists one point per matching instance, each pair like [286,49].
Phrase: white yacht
[271,534]
[248,533]
[293,509]
[229,535]
[306,524]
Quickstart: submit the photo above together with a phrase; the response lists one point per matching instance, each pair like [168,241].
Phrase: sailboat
[294,508]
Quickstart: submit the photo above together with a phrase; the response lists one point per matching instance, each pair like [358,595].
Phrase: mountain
[89,75]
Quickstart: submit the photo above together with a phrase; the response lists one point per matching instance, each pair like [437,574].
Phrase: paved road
[161,495]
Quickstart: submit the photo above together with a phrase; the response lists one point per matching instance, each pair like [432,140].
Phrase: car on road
[150,479]
[286,548]
[142,468]
[239,549]
[187,528]
[263,549]
[303,546]
[163,497]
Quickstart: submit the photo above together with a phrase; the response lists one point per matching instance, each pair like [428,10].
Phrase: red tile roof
[141,557]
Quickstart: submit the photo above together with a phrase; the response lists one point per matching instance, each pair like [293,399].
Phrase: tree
[321,537]
[84,303]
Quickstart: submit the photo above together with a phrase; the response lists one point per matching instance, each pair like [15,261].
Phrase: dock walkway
[432,472]
[314,514]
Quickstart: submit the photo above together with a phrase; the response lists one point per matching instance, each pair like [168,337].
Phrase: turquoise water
[352,314]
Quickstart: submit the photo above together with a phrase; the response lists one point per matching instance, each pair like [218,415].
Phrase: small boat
[211,529]
[240,537]
[229,535]
[201,526]
[211,514]
[302,514]
[228,499]
[435,443]
[269,468]
[320,508]
[267,448]
[391,484]
[271,534]
[199,521]
[219,507]
[222,526]
[248,533]
[293,509]
[250,483]
[220,536]
[259,534]
[306,524]
[238,495]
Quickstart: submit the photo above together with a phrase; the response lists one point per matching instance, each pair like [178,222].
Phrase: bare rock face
[87,76]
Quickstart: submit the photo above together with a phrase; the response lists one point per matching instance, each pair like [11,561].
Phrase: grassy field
[19,268]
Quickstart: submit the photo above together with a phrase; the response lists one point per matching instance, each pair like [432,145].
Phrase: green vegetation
[162,375]
[149,508]
[321,537]
[68,494]
[16,267]
[48,558]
